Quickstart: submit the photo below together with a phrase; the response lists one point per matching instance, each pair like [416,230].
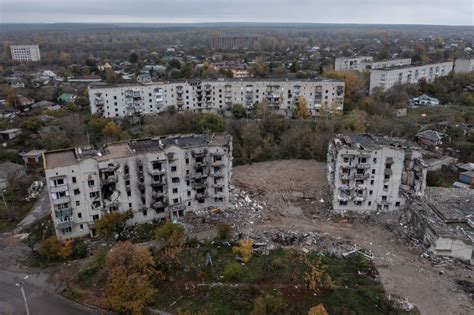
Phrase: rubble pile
[309,241]
[244,210]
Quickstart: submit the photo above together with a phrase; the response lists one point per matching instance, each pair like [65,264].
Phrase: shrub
[171,233]
[233,271]
[245,250]
[79,249]
[269,304]
[223,231]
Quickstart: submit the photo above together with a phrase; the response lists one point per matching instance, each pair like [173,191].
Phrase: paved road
[40,302]
[41,208]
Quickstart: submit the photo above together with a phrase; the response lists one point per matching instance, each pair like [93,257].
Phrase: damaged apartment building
[444,220]
[157,178]
[371,173]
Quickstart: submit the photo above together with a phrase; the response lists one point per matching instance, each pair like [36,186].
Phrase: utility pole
[20,285]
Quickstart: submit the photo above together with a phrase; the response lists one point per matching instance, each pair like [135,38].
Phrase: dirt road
[297,197]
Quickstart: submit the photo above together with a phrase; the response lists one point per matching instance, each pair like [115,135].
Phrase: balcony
[60,188]
[63,213]
[199,164]
[199,153]
[363,165]
[111,179]
[157,194]
[361,176]
[158,205]
[199,185]
[61,200]
[157,172]
[109,168]
[199,175]
[65,224]
[202,195]
[158,182]
[218,174]
[359,198]
[345,176]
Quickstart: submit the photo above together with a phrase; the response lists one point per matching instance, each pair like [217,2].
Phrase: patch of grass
[228,287]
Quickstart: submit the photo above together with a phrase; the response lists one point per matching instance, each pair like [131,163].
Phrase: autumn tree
[53,249]
[318,277]
[112,223]
[110,75]
[318,310]
[129,270]
[259,68]
[302,109]
[112,130]
[172,234]
[244,250]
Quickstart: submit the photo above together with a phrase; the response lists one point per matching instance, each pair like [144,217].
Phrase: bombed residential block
[369,173]
[444,220]
[157,178]
[217,96]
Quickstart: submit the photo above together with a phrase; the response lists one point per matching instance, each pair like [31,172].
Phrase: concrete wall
[463,65]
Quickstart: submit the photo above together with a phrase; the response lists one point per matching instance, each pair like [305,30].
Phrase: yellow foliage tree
[302,109]
[55,250]
[111,130]
[244,249]
[66,248]
[318,310]
[318,278]
[129,270]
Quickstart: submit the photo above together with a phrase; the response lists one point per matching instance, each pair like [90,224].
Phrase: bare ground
[296,197]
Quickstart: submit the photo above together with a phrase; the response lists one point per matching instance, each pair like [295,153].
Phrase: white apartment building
[387,78]
[389,63]
[366,63]
[157,178]
[463,65]
[352,63]
[215,96]
[369,173]
[25,52]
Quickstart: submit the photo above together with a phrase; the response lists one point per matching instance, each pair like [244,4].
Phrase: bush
[223,231]
[233,271]
[79,249]
[269,304]
[244,249]
[171,233]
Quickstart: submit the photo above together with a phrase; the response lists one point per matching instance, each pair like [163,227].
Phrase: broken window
[175,180]
[342,202]
[384,198]
[91,183]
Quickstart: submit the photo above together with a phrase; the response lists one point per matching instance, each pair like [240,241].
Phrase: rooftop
[370,142]
[71,156]
[106,85]
[412,66]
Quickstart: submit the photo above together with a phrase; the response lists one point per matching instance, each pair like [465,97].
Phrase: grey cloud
[452,12]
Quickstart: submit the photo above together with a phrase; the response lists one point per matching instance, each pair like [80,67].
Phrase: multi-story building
[25,52]
[362,63]
[156,178]
[463,65]
[389,63]
[216,96]
[233,42]
[387,78]
[369,173]
[352,63]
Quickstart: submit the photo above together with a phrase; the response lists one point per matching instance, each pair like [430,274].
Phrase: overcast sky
[441,12]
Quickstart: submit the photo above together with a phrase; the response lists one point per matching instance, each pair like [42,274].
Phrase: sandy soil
[297,198]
